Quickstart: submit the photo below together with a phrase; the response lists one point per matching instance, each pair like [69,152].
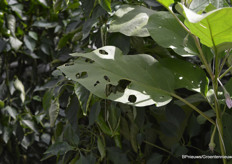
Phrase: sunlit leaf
[20,87]
[110,75]
[211,27]
[15,43]
[131,20]
[106,4]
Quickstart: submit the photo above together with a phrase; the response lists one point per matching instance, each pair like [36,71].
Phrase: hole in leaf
[107,78]
[122,84]
[110,89]
[132,98]
[103,52]
[97,82]
[89,61]
[81,75]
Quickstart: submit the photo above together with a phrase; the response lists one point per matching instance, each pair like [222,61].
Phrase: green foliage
[142,85]
[211,30]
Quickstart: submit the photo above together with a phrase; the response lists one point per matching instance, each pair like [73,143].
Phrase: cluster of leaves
[50,118]
[173,73]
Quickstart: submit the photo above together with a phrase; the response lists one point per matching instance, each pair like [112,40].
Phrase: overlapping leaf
[168,33]
[213,28]
[131,20]
[137,80]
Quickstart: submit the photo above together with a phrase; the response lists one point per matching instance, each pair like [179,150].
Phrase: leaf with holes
[136,79]
[131,21]
[213,28]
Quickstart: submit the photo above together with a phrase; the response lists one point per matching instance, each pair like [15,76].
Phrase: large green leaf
[168,33]
[136,79]
[213,28]
[131,20]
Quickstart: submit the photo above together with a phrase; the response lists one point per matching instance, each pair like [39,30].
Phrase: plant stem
[193,107]
[217,105]
[228,70]
[202,57]
[156,146]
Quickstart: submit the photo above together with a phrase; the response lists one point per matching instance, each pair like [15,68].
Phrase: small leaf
[15,43]
[20,87]
[47,99]
[83,95]
[64,40]
[59,148]
[30,124]
[33,35]
[11,22]
[12,112]
[101,148]
[53,112]
[105,4]
[29,42]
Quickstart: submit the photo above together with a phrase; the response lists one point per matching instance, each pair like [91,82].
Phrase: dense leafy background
[46,117]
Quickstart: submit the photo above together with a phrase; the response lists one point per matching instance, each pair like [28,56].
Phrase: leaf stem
[202,57]
[228,70]
[156,146]
[193,107]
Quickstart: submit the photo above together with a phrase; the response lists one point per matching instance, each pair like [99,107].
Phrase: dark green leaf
[83,95]
[64,40]
[94,112]
[121,41]
[47,99]
[70,135]
[59,148]
[2,45]
[168,33]
[101,148]
[53,112]
[117,156]
[187,75]
[155,158]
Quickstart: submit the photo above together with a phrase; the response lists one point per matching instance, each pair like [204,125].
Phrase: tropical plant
[146,82]
[142,80]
